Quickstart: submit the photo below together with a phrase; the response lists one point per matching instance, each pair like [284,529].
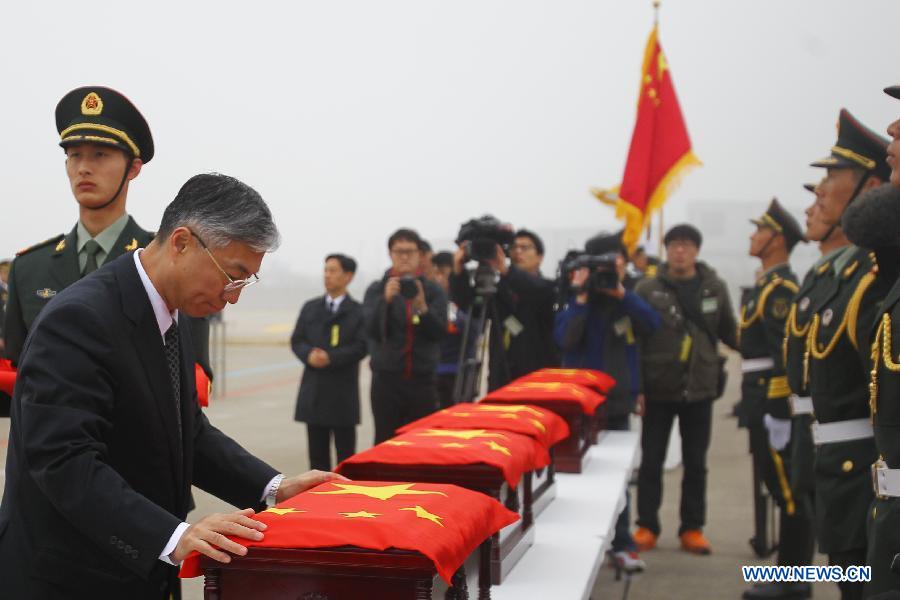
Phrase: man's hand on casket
[207,536]
[291,486]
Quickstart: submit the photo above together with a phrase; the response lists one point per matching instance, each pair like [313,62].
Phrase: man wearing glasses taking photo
[106,435]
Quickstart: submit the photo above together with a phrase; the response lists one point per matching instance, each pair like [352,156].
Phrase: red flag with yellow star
[535,392]
[589,378]
[545,426]
[660,151]
[444,522]
[512,453]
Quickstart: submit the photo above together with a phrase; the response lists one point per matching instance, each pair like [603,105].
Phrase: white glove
[779,431]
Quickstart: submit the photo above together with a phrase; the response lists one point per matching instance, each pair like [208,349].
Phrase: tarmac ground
[257,410]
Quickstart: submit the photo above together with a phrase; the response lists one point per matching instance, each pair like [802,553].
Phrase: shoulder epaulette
[54,240]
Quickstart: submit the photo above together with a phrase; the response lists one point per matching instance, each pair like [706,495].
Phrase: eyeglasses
[233,285]
[522,247]
[402,253]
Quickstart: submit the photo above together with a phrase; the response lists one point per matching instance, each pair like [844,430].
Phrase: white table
[574,532]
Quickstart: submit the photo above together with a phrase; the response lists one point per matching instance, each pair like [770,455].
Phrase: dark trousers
[445,383]
[319,438]
[849,590]
[397,401]
[884,544]
[796,538]
[622,542]
[695,426]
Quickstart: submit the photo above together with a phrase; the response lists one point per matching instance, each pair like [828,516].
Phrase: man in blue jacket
[599,328]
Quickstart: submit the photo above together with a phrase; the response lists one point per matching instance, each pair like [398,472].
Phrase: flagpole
[656,12]
[660,233]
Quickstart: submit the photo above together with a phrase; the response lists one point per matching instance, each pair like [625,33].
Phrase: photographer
[521,302]
[682,374]
[598,328]
[406,317]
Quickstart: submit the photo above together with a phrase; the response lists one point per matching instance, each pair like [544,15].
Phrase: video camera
[480,238]
[603,272]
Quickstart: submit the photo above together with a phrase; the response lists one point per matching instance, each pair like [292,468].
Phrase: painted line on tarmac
[238,373]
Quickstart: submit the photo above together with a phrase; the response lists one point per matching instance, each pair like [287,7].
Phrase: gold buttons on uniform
[847,466]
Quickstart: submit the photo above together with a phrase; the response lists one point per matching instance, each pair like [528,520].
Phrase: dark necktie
[173,363]
[332,306]
[91,248]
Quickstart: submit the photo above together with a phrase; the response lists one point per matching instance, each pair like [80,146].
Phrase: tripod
[469,368]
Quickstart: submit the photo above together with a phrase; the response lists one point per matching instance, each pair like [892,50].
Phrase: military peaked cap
[810,187]
[893,90]
[100,115]
[777,218]
[857,146]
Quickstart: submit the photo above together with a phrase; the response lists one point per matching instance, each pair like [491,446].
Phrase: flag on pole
[660,151]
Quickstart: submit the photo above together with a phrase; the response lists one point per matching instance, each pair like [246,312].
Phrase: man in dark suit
[330,340]
[106,434]
[107,142]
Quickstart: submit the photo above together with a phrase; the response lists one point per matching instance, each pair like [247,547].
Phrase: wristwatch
[272,490]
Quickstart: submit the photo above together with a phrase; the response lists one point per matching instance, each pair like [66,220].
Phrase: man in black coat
[406,318]
[522,312]
[330,340]
[106,434]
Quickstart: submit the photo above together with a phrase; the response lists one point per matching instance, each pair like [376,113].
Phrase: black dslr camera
[408,287]
[603,272]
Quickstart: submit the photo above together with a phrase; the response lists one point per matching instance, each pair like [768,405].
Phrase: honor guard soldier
[764,392]
[107,141]
[874,220]
[876,223]
[833,316]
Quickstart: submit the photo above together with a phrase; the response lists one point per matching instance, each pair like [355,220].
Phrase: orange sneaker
[693,540]
[644,539]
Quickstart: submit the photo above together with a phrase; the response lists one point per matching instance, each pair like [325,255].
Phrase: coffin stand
[331,574]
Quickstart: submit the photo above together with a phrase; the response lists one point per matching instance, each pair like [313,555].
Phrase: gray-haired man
[106,435]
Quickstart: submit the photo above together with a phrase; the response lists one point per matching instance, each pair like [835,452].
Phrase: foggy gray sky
[355,117]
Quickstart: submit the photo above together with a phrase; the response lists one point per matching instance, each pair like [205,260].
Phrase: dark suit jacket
[97,478]
[42,271]
[330,396]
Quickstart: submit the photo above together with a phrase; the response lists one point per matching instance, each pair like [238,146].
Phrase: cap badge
[45,293]
[827,316]
[92,105]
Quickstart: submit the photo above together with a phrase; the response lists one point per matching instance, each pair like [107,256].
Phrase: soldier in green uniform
[874,220]
[836,318]
[764,390]
[802,457]
[107,141]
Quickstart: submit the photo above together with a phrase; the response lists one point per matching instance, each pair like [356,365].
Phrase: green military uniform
[837,379]
[40,272]
[94,115]
[764,406]
[879,229]
[795,332]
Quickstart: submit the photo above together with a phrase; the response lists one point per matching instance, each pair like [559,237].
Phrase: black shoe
[778,591]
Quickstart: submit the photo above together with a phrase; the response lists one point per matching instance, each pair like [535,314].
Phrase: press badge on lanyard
[335,335]
[710,305]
